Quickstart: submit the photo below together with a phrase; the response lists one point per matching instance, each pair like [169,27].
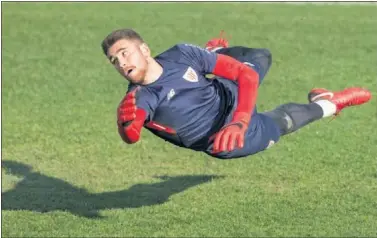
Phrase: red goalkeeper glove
[232,134]
[130,118]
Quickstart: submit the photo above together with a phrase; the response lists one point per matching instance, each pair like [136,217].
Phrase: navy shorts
[262,132]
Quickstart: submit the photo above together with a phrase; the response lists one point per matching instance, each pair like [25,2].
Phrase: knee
[265,54]
[259,56]
[262,59]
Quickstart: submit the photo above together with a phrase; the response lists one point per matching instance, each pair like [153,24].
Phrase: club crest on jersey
[191,75]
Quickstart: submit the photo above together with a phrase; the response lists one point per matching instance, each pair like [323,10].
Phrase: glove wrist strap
[243,117]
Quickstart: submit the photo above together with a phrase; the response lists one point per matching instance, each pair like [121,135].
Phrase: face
[130,58]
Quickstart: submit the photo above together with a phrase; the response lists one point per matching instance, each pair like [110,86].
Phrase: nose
[122,63]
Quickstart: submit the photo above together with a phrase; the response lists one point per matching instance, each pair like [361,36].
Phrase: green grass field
[66,172]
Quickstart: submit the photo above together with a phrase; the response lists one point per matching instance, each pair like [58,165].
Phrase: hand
[130,118]
[127,109]
[230,135]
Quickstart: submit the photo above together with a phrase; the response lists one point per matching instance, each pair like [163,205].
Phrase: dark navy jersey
[183,106]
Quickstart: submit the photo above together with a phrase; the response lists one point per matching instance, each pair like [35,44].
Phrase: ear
[145,49]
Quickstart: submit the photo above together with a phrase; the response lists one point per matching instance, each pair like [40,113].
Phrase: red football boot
[220,42]
[342,99]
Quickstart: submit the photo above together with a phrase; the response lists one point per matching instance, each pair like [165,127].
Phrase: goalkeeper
[170,95]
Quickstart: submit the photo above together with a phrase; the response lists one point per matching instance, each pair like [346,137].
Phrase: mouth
[129,70]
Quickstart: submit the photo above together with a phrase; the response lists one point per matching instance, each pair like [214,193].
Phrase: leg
[257,58]
[266,128]
[322,103]
[292,116]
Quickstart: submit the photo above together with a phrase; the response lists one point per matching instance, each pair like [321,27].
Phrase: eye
[124,53]
[113,60]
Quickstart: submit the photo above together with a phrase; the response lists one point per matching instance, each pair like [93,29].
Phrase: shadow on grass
[41,193]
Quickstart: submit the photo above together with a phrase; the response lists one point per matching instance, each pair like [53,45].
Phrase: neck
[153,73]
